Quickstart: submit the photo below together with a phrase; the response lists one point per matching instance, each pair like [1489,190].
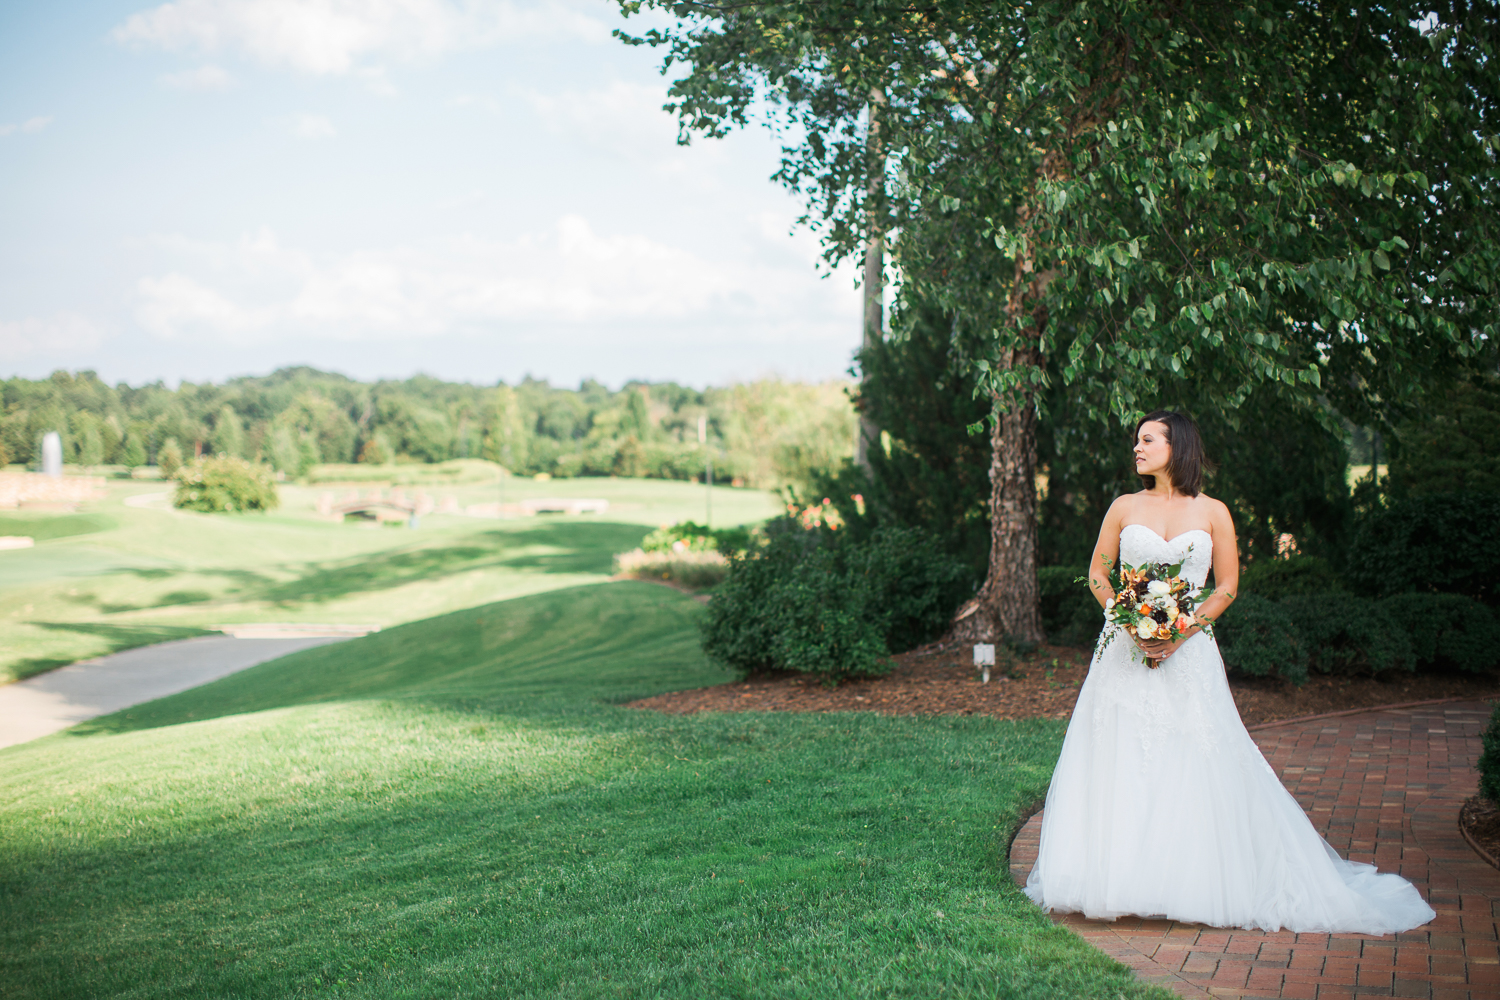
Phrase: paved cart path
[68,695]
[1384,787]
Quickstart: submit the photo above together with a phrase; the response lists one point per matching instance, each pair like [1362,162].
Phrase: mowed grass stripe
[458,808]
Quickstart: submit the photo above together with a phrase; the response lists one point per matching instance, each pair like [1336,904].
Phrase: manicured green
[113,576]
[456,808]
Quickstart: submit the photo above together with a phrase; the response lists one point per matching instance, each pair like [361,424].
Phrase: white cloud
[306,126]
[50,336]
[203,78]
[30,125]
[333,36]
[257,291]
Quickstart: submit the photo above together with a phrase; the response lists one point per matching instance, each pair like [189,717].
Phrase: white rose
[1158,588]
[1146,629]
[1169,602]
[1109,605]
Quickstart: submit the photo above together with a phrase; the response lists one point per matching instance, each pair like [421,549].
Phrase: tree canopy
[1154,202]
[1230,193]
[765,433]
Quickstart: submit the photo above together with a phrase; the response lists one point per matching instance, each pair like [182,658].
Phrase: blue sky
[477,190]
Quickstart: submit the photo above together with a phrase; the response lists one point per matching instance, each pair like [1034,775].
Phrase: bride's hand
[1159,649]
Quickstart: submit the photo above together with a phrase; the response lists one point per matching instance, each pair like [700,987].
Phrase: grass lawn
[113,575]
[458,808]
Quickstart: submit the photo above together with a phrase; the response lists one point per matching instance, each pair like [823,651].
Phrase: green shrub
[1345,634]
[819,603]
[1441,543]
[169,458]
[694,569]
[218,485]
[1340,633]
[1446,631]
[911,584]
[1489,759]
[1070,615]
[1277,578]
[1257,637]
[695,537]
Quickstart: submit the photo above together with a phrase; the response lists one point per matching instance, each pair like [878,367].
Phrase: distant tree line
[767,433]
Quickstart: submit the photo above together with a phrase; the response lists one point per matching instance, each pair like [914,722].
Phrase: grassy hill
[457,807]
[116,575]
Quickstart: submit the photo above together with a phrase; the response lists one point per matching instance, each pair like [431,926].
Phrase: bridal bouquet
[1152,601]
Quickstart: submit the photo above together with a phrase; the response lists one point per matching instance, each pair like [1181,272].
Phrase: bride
[1161,804]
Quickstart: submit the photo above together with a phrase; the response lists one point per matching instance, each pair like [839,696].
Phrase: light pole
[708,472]
[503,463]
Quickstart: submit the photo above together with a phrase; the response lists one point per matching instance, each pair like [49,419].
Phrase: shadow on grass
[546,548]
[116,638]
[557,653]
[44,527]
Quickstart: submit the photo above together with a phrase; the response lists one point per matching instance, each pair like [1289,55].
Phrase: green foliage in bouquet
[225,485]
[817,602]
[1489,759]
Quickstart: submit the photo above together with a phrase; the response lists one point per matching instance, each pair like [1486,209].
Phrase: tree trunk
[874,279]
[1008,605]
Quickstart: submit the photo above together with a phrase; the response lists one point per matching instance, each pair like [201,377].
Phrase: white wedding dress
[1162,805]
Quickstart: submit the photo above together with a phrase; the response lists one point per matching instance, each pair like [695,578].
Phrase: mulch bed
[940,679]
[1479,821]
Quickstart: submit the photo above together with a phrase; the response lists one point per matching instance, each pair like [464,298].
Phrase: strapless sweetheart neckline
[1174,538]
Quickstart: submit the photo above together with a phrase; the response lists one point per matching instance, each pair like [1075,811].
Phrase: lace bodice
[1195,547]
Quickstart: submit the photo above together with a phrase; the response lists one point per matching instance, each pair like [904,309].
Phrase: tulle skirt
[1162,806]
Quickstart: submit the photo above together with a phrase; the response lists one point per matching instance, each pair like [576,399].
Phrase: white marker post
[984,659]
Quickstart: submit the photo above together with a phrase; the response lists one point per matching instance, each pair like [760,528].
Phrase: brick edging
[1298,720]
[1463,831]
[1025,817]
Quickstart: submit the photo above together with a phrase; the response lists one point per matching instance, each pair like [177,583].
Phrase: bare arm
[1106,552]
[1226,566]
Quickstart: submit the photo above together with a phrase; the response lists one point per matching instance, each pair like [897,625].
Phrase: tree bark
[1008,605]
[874,278]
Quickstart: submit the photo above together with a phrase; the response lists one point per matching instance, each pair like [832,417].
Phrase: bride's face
[1152,452]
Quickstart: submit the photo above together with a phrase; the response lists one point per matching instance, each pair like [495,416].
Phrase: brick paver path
[1384,787]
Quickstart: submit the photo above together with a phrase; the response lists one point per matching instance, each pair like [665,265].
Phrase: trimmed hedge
[1444,542]
[1338,633]
[1281,627]
[1297,575]
[818,603]
[1489,759]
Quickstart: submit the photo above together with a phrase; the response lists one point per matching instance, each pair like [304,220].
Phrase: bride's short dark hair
[1188,462]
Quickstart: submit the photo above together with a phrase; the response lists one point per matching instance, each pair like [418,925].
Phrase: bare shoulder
[1124,504]
[1217,511]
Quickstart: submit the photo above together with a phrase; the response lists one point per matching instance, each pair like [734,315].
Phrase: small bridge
[376,505]
[377,510]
